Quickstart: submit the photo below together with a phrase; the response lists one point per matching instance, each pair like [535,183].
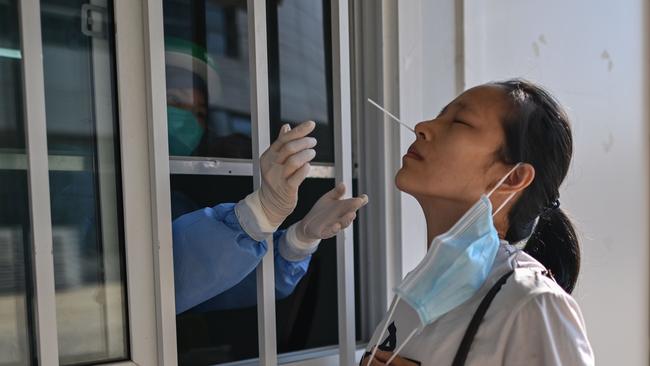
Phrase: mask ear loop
[399,349]
[499,185]
[503,204]
[393,306]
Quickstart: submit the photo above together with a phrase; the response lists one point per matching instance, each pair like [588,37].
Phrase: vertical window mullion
[160,185]
[261,140]
[343,169]
[132,101]
[39,187]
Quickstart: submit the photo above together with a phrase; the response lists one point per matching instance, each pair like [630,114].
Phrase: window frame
[136,183]
[44,305]
[346,352]
[145,171]
[342,169]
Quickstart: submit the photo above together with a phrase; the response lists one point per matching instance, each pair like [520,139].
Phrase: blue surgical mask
[455,267]
[184,131]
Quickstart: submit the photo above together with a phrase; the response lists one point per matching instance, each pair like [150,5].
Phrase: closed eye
[462,122]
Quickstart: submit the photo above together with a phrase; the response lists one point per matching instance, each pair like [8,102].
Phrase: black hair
[537,132]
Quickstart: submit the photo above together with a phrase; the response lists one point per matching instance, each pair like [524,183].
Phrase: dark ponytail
[537,132]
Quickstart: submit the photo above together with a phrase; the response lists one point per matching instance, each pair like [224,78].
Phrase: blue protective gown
[214,258]
[215,261]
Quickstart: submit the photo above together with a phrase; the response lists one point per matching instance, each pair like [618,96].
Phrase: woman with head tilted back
[503,257]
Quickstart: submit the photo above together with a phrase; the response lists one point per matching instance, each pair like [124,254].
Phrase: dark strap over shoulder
[472,328]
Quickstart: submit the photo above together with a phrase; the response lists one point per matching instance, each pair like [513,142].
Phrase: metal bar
[210,166]
[160,189]
[39,186]
[109,202]
[18,161]
[343,168]
[366,58]
[240,167]
[136,182]
[321,356]
[389,137]
[123,363]
[261,140]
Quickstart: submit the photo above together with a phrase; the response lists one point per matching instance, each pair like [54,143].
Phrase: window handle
[93,21]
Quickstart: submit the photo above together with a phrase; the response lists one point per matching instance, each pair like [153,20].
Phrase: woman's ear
[519,179]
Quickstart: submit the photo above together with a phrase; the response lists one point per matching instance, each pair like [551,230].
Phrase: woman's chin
[402,180]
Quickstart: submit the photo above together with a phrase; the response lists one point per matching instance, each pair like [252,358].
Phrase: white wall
[590,55]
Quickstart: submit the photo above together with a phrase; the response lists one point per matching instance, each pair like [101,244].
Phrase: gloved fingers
[351,204]
[336,192]
[287,134]
[346,220]
[296,179]
[293,147]
[277,144]
[331,231]
[296,161]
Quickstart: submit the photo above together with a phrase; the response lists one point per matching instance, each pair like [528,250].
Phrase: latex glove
[285,165]
[329,215]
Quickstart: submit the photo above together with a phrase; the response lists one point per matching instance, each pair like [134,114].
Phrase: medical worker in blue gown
[216,249]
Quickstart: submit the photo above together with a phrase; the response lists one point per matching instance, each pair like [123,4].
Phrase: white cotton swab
[390,115]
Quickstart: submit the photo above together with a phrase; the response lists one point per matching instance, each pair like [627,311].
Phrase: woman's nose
[422,131]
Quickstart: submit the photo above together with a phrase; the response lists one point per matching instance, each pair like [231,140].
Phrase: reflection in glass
[16,328]
[85,194]
[206,69]
[207,336]
[308,318]
[300,88]
[300,71]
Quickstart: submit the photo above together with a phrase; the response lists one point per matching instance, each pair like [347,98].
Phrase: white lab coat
[531,322]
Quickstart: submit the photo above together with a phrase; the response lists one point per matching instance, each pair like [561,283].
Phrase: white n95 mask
[455,267]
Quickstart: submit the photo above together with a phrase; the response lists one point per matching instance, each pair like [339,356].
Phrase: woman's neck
[440,214]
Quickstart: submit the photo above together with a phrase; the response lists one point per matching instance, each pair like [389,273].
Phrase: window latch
[93,21]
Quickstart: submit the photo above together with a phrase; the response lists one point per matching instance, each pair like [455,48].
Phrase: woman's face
[455,156]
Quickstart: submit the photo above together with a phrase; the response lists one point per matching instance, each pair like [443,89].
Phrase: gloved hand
[329,215]
[284,166]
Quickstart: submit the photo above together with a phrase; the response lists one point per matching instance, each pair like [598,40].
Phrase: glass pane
[78,61]
[300,68]
[203,332]
[308,318]
[16,327]
[206,66]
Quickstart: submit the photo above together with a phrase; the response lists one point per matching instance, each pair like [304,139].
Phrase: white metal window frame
[145,172]
[136,185]
[342,169]
[39,186]
[161,166]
